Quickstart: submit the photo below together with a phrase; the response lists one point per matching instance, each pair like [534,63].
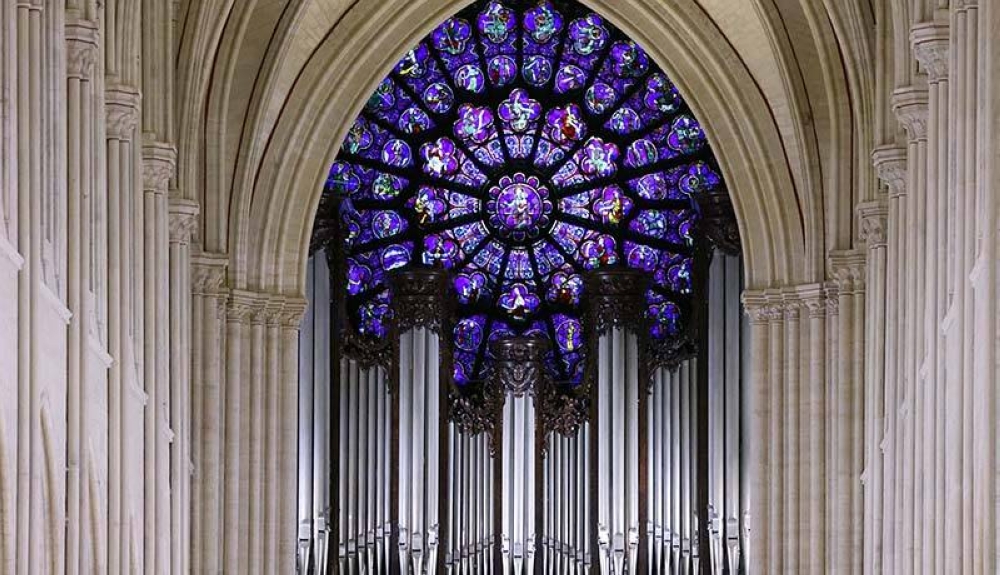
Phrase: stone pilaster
[81,56]
[208,331]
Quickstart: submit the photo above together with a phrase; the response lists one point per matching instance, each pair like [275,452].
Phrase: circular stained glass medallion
[520,145]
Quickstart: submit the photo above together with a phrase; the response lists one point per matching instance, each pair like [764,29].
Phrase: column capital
[614,299]
[121,104]
[848,268]
[910,106]
[930,48]
[291,312]
[519,368]
[208,273]
[421,299]
[183,220]
[763,306]
[241,305]
[890,165]
[159,160]
[81,48]
[874,219]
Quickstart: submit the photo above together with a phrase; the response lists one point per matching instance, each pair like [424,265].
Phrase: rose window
[519,146]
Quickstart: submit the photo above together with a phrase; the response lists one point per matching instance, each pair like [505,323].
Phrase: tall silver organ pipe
[421,315]
[518,371]
[616,301]
[393,478]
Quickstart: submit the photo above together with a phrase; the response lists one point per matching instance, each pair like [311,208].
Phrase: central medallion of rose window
[519,207]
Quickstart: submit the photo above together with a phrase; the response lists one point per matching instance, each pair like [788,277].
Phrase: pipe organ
[638,470]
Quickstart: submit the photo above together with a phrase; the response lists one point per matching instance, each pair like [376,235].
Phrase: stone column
[122,109]
[890,164]
[286,442]
[183,221]
[234,399]
[208,344]
[847,413]
[910,106]
[81,56]
[873,220]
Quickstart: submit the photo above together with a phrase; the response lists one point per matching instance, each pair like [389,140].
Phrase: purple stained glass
[599,158]
[414,121]
[439,98]
[470,287]
[569,333]
[470,77]
[397,154]
[440,157]
[588,34]
[566,288]
[497,22]
[600,97]
[537,70]
[686,135]
[519,110]
[469,333]
[453,36]
[519,146]
[570,78]
[612,206]
[502,70]
[519,301]
[519,206]
[566,124]
[543,23]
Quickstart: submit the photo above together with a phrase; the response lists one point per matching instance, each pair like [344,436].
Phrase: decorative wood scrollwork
[520,365]
[421,299]
[367,352]
[614,300]
[718,222]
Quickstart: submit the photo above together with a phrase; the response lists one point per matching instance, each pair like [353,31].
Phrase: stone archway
[273,203]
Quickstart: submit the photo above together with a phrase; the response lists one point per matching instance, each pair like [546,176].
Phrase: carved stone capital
[208,272]
[122,111]
[910,106]
[291,312]
[420,299]
[930,48]
[719,222]
[763,307]
[241,306]
[81,49]
[159,161]
[183,220]
[519,368]
[615,299]
[874,219]
[849,270]
[890,165]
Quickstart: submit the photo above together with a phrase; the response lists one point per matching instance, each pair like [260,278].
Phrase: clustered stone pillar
[81,48]
[805,415]
[208,328]
[519,371]
[615,299]
[930,492]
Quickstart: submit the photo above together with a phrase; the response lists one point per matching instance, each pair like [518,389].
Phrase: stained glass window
[519,145]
